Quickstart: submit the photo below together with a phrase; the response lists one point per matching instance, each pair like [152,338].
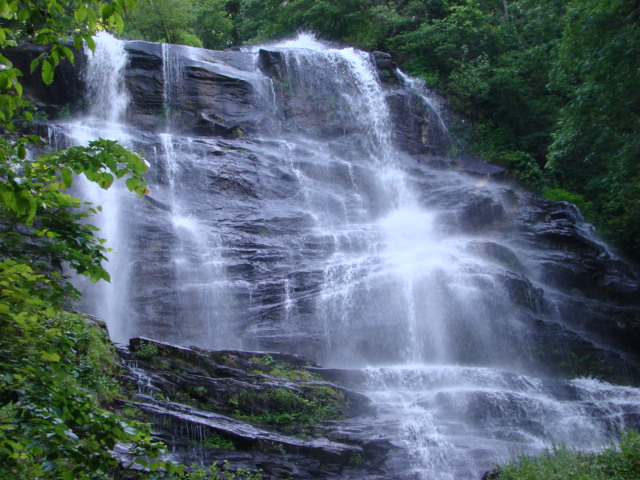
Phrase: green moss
[94,359]
[280,369]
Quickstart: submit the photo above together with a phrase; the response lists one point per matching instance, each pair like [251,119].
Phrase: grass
[617,462]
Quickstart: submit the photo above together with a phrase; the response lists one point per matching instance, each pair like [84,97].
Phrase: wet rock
[272,64]
[386,67]
[522,291]
[569,256]
[145,82]
[498,253]
[275,406]
[478,167]
[491,474]
[481,211]
[66,92]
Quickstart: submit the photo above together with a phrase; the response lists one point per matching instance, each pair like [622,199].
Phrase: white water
[204,313]
[452,419]
[107,101]
[401,293]
[401,296]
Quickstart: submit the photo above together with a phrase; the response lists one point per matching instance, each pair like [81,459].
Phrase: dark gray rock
[192,396]
[386,67]
[67,91]
[477,166]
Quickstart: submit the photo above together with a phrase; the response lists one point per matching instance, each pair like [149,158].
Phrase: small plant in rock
[132,412]
[215,440]
[356,460]
[146,351]
[65,112]
[200,390]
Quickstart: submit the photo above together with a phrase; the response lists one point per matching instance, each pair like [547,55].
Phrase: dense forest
[550,86]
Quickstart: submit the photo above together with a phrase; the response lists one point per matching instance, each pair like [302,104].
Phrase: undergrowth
[617,462]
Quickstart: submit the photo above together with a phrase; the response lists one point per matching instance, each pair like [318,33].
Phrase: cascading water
[402,289]
[204,313]
[285,217]
[106,104]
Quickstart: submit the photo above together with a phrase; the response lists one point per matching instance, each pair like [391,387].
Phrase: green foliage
[146,350]
[196,23]
[214,24]
[160,20]
[290,409]
[40,224]
[93,358]
[219,472]
[524,166]
[614,463]
[50,423]
[561,195]
[597,136]
[215,440]
[54,368]
[357,22]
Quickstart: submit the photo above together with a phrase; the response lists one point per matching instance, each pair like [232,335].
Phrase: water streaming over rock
[301,204]
[106,101]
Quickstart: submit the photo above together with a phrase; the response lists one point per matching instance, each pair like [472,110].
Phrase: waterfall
[106,105]
[395,288]
[203,305]
[286,215]
[442,332]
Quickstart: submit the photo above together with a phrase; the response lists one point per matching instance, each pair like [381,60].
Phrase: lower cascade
[305,202]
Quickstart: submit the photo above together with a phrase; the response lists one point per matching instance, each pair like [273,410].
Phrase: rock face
[67,91]
[272,413]
[303,202]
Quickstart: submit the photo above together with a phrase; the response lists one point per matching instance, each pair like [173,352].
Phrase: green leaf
[119,22]
[89,39]
[34,64]
[106,181]
[81,13]
[49,357]
[93,21]
[47,72]
[106,11]
[66,52]
[132,183]
[67,177]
